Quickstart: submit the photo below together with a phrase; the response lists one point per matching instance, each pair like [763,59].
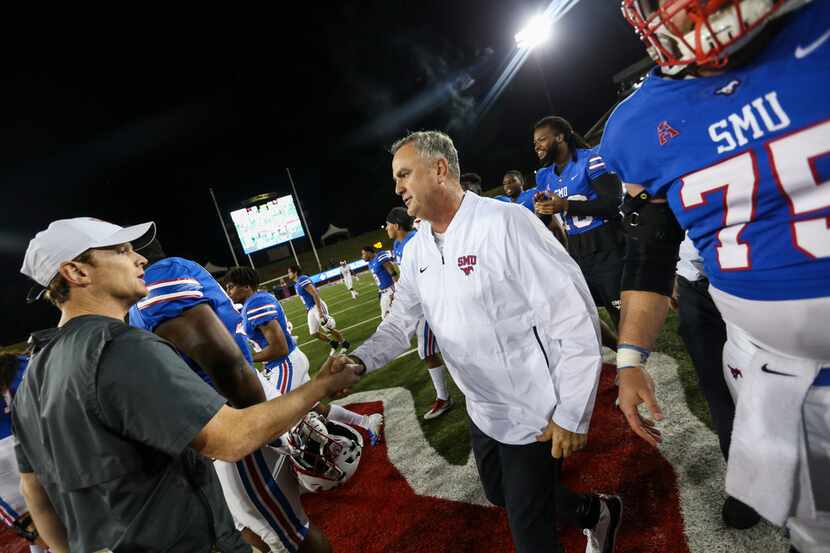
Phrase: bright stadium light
[536,32]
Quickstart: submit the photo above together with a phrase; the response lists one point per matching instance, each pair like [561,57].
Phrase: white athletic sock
[354,295]
[439,381]
[341,414]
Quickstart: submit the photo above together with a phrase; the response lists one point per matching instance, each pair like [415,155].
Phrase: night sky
[137,125]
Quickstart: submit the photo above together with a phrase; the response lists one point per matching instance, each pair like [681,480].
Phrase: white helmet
[327,452]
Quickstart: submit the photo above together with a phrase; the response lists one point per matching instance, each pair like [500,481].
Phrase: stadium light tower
[537,31]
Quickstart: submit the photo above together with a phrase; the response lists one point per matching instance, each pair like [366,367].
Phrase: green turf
[448,433]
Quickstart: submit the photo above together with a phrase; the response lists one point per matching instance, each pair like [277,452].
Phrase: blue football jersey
[575,184]
[5,415]
[744,160]
[525,198]
[299,287]
[397,247]
[382,276]
[262,308]
[175,285]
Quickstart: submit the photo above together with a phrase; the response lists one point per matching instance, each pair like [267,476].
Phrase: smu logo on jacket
[466,263]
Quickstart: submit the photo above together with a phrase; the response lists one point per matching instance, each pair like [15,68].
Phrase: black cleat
[738,515]
[603,536]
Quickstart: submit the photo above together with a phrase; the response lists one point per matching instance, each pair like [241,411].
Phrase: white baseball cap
[66,239]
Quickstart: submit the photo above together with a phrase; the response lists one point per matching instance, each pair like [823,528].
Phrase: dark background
[135,125]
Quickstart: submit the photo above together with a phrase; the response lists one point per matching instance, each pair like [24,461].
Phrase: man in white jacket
[519,333]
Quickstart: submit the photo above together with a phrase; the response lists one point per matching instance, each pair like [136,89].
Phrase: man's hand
[549,205]
[563,442]
[636,387]
[339,373]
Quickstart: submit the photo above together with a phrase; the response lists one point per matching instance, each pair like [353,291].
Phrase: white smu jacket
[513,316]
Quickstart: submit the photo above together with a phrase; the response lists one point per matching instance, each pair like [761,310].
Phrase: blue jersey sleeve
[384,256]
[596,166]
[304,281]
[631,149]
[172,288]
[261,309]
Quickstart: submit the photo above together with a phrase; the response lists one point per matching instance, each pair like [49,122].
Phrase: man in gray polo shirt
[110,421]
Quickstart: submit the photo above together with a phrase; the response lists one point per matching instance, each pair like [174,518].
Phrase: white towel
[768,437]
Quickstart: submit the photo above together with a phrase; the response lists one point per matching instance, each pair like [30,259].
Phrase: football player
[286,367]
[399,228]
[320,324]
[574,185]
[514,190]
[346,273]
[730,138]
[385,274]
[186,306]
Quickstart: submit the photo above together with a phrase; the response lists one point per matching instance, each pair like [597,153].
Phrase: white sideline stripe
[414,457]
[300,310]
[342,330]
[331,314]
[336,294]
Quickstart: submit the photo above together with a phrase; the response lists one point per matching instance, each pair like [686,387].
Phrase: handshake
[338,374]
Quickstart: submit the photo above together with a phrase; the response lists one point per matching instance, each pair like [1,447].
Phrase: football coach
[518,330]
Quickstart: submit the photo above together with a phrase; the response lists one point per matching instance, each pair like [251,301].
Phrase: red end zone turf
[377,511]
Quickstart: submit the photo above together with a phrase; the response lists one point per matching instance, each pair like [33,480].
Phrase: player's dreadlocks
[560,125]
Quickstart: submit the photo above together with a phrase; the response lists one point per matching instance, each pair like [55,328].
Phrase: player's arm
[652,243]
[234,433]
[49,526]
[607,205]
[392,269]
[277,344]
[199,334]
[317,301]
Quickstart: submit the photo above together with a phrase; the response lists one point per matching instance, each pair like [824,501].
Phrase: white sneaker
[603,536]
[374,426]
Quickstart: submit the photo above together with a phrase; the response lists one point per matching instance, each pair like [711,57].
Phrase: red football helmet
[679,33]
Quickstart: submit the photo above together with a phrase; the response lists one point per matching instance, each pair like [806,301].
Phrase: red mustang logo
[665,132]
[466,262]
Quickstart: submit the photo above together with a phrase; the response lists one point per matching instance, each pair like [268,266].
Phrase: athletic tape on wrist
[629,355]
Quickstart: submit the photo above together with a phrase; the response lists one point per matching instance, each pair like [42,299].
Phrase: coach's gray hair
[433,145]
